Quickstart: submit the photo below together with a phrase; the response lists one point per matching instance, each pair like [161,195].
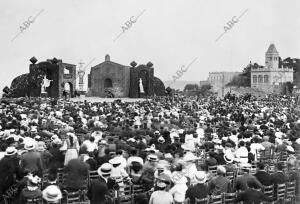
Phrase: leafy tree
[191,87]
[244,79]
[205,90]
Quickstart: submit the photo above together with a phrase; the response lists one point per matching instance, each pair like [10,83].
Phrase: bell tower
[272,57]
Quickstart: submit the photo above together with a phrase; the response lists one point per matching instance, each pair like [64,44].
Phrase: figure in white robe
[45,84]
[141,86]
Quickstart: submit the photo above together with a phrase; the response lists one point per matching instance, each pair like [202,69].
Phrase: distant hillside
[179,84]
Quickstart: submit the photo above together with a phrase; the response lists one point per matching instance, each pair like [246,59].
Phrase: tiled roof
[272,49]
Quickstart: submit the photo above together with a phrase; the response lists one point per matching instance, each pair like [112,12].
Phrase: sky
[169,33]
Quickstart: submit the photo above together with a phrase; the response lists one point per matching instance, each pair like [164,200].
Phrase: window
[266,79]
[260,79]
[254,79]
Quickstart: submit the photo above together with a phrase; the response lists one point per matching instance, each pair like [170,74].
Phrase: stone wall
[118,74]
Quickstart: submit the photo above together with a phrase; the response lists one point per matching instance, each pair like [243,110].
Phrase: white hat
[34,179]
[298,141]
[151,148]
[10,151]
[200,177]
[152,157]
[29,146]
[290,148]
[221,169]
[161,139]
[189,157]
[105,170]
[52,193]
[228,157]
[115,160]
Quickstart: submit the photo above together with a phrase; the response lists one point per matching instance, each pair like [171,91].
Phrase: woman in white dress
[72,148]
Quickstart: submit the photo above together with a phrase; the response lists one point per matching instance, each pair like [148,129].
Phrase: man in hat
[52,194]
[99,191]
[199,189]
[9,168]
[161,196]
[31,160]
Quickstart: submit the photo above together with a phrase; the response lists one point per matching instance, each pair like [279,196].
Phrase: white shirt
[255,148]
[178,191]
[91,146]
[242,154]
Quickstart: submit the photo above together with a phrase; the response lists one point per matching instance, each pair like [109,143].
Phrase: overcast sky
[170,33]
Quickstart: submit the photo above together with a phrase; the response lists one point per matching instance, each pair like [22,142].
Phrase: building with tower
[271,76]
[111,79]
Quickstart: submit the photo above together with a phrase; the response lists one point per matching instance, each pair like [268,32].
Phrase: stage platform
[97,99]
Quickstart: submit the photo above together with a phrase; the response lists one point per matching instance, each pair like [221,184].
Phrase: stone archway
[108,83]
[68,87]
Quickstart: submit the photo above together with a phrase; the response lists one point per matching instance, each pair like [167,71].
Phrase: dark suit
[9,168]
[99,191]
[264,178]
[77,173]
[196,191]
[251,196]
[242,182]
[279,178]
[32,161]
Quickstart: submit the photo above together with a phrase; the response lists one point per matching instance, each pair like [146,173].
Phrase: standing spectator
[31,160]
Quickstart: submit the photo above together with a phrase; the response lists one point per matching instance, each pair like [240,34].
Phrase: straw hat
[161,140]
[10,151]
[115,161]
[52,193]
[228,157]
[105,170]
[153,158]
[189,157]
[29,146]
[200,177]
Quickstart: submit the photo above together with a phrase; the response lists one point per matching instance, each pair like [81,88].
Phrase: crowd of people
[177,149]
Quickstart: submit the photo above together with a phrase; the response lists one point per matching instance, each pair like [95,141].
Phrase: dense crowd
[159,151]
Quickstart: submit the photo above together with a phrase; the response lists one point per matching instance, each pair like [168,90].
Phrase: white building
[271,75]
[219,80]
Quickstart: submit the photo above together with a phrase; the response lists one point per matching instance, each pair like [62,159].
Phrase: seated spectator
[31,191]
[262,176]
[199,190]
[211,161]
[99,190]
[76,175]
[219,184]
[52,194]
[252,196]
[161,196]
[242,181]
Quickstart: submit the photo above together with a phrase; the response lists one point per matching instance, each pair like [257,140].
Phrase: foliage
[191,87]
[244,79]
[205,90]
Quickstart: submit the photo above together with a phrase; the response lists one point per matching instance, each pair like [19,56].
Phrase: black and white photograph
[149,102]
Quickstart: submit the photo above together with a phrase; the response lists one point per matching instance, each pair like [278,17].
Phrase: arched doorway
[108,83]
[67,88]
